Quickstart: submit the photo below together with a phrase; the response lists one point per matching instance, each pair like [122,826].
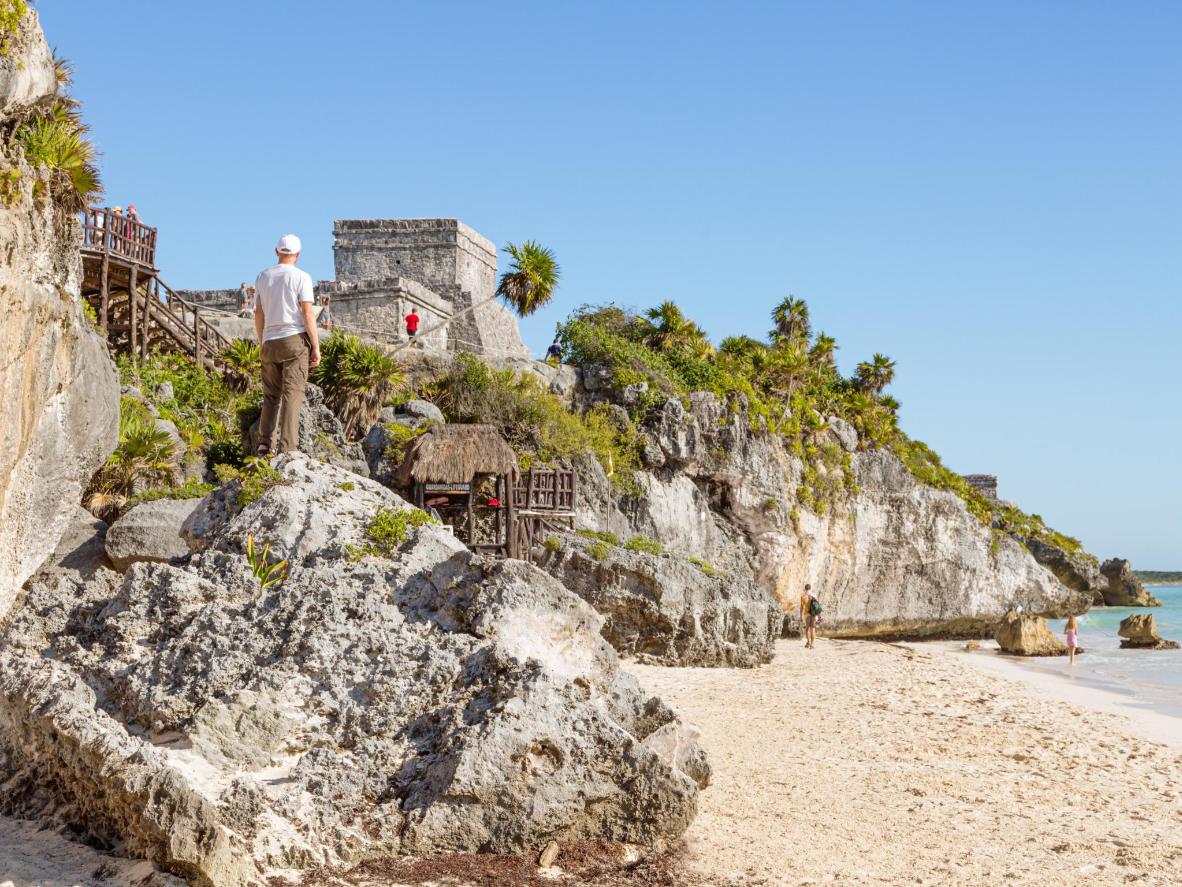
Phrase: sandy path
[33,857]
[868,763]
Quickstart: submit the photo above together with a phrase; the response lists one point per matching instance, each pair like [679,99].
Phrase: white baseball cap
[289,245]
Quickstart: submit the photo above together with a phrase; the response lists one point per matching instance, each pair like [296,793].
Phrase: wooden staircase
[139,312]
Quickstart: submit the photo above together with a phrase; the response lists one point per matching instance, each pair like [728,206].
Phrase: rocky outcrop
[1078,570]
[1024,634]
[892,557]
[1139,632]
[664,609]
[413,699]
[151,532]
[1124,589]
[59,404]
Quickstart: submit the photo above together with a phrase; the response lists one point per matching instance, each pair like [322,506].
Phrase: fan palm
[822,352]
[874,375]
[357,378]
[791,319]
[59,142]
[786,366]
[242,359]
[671,330]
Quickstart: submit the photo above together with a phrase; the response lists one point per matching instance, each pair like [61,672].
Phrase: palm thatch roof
[455,454]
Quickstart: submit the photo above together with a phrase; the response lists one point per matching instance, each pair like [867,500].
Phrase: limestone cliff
[893,558]
[59,398]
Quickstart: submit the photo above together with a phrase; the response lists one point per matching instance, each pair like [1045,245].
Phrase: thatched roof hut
[455,454]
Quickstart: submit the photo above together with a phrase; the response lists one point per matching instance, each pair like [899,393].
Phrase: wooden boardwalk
[137,311]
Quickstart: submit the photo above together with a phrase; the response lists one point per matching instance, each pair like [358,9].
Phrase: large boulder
[150,532]
[1024,634]
[665,609]
[59,395]
[1139,632]
[1078,570]
[1124,589]
[385,697]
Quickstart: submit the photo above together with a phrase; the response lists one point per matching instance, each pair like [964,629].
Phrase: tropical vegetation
[358,379]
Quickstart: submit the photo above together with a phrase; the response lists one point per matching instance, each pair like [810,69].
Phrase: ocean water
[1152,678]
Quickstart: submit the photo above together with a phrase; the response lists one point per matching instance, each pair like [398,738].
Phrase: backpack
[814,607]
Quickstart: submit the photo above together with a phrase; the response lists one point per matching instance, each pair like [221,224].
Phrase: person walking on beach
[286,328]
[1072,634]
[810,612]
[412,326]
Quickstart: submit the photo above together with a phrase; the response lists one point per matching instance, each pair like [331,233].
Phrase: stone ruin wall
[377,308]
[985,484]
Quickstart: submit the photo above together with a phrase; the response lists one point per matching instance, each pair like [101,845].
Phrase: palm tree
[791,318]
[673,331]
[529,284]
[875,375]
[786,366]
[823,350]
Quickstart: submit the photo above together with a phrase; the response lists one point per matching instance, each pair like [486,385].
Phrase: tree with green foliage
[791,319]
[823,352]
[874,375]
[673,331]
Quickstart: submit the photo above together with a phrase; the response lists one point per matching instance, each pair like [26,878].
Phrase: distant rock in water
[1139,631]
[1023,634]
[393,694]
[1124,588]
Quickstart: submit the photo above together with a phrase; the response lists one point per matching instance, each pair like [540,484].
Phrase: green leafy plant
[599,551]
[146,456]
[531,279]
[387,530]
[552,544]
[257,477]
[243,360]
[11,14]
[63,144]
[707,568]
[261,567]
[190,489]
[399,438]
[348,486]
[646,546]
[604,536]
[358,380]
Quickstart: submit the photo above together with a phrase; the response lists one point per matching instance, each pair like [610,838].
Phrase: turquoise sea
[1152,678]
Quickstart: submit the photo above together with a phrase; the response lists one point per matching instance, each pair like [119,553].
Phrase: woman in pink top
[1072,632]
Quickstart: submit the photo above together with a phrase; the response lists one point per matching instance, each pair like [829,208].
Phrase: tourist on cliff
[245,301]
[810,612]
[412,325]
[286,326]
[326,313]
[554,352]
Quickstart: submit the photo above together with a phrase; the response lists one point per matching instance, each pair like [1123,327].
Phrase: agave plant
[261,567]
[358,379]
[59,142]
[242,359]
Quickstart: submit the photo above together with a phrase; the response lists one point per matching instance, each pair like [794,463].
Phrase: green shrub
[641,544]
[256,476]
[599,551]
[358,380]
[348,486]
[552,544]
[145,456]
[600,535]
[388,530]
[243,359]
[11,13]
[63,144]
[190,489]
[707,568]
[400,437]
[541,430]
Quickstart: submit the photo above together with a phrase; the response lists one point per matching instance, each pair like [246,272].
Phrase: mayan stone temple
[386,267]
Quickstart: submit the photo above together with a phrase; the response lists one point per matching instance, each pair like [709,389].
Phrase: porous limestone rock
[418,702]
[1078,570]
[1139,631]
[150,532]
[892,558]
[663,608]
[422,409]
[59,405]
[1124,589]
[1024,634]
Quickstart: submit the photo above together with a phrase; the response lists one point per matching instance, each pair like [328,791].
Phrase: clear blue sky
[990,193]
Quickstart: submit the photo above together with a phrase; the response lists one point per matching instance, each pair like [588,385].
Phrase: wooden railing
[127,238]
[545,489]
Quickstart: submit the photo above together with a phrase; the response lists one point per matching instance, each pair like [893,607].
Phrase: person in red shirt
[412,325]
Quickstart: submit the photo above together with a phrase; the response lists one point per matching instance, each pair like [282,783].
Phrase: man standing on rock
[810,609]
[286,328]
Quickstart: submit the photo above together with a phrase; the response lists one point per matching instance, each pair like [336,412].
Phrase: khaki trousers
[285,375]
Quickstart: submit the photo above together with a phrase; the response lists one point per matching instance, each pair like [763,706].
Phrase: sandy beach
[871,763]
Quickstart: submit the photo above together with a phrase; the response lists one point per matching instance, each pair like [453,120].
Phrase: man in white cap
[286,327]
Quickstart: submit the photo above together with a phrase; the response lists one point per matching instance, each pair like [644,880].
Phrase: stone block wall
[377,308]
[986,484]
[224,300]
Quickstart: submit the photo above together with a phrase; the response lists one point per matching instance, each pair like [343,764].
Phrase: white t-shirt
[279,291]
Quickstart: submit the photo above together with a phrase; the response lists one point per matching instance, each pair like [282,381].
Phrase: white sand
[33,857]
[869,763]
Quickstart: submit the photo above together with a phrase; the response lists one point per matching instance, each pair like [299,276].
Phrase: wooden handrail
[105,231]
